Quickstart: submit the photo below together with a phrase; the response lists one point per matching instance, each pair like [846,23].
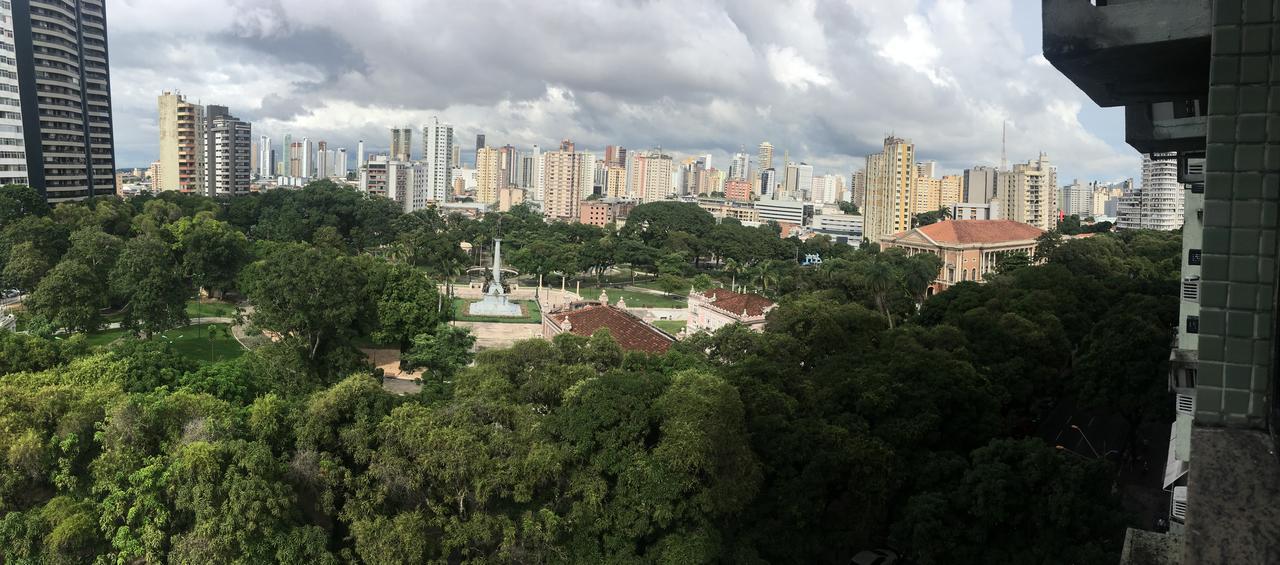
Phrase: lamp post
[1086,439]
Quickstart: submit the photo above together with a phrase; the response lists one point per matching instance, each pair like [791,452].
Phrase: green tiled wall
[1242,207]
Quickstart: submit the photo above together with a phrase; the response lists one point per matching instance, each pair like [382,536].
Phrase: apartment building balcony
[1130,51]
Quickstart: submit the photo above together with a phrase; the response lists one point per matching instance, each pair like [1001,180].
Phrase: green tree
[18,201]
[212,252]
[407,302]
[71,296]
[314,294]
[1011,262]
[146,278]
[878,277]
[442,352]
[655,221]
[26,266]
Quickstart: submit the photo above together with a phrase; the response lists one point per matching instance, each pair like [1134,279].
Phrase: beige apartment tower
[488,174]
[561,183]
[1030,193]
[181,144]
[890,189]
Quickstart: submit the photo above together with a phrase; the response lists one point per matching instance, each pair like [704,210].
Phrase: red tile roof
[977,231]
[737,303]
[632,333]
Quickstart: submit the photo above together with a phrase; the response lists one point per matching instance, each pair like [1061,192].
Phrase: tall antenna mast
[1004,138]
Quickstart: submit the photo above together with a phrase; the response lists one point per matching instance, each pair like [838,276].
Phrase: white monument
[495,301]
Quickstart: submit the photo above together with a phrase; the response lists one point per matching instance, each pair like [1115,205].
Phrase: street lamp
[1086,439]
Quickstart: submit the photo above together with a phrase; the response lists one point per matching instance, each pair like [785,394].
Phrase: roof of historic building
[632,333]
[737,302]
[964,232]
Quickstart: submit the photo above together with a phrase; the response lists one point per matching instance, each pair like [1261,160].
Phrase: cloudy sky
[822,79]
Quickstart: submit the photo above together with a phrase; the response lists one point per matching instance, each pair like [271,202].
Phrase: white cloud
[824,79]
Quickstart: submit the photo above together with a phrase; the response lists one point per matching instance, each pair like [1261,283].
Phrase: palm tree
[879,278]
[733,268]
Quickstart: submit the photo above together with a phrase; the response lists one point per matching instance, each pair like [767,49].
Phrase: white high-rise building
[587,176]
[827,189]
[540,167]
[306,159]
[798,181]
[437,155]
[340,163]
[264,156]
[738,167]
[1077,199]
[359,155]
[1029,193]
[1158,204]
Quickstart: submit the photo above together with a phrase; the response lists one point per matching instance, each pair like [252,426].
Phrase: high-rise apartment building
[182,138]
[768,183]
[764,157]
[827,189]
[615,181]
[57,52]
[928,195]
[1077,199]
[951,190]
[798,181]
[401,143]
[858,188]
[479,141]
[488,174]
[264,156]
[437,155]
[13,150]
[1158,204]
[927,169]
[739,167]
[1030,195]
[285,161]
[615,156]
[322,159]
[890,190]
[980,185]
[562,183]
[651,176]
[227,149]
[307,163]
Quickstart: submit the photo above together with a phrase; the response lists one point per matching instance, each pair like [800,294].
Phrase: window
[1193,257]
[1193,324]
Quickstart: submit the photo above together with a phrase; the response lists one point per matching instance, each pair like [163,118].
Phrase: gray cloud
[824,79]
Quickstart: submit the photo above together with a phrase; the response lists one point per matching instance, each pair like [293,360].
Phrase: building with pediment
[970,249]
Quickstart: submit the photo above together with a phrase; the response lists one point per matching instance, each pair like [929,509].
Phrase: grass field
[197,309]
[532,313]
[672,327]
[192,342]
[634,299]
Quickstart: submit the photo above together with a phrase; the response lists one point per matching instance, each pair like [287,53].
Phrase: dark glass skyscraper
[60,47]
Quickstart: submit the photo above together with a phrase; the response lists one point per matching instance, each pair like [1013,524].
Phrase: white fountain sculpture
[495,301]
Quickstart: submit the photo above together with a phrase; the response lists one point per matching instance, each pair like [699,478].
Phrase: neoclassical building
[719,307]
[969,248]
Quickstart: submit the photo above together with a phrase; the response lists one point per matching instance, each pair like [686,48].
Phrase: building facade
[969,249]
[562,183]
[651,174]
[488,174]
[402,143]
[182,139]
[719,307]
[1030,193]
[437,155]
[1159,203]
[63,97]
[605,211]
[228,150]
[891,189]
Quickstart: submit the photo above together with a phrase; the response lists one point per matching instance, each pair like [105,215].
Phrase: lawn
[192,342]
[198,309]
[672,327]
[533,315]
[634,299]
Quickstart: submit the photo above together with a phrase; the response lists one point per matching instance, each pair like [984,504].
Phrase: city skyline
[753,77]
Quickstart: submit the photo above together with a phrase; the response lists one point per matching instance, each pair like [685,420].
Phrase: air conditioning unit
[1191,169]
[1191,289]
[1178,510]
[1186,404]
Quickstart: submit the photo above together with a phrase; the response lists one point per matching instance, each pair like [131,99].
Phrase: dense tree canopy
[868,414]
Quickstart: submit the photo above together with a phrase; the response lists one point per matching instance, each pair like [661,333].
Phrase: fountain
[495,301]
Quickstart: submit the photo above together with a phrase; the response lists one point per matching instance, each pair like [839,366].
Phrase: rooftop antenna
[1004,139]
